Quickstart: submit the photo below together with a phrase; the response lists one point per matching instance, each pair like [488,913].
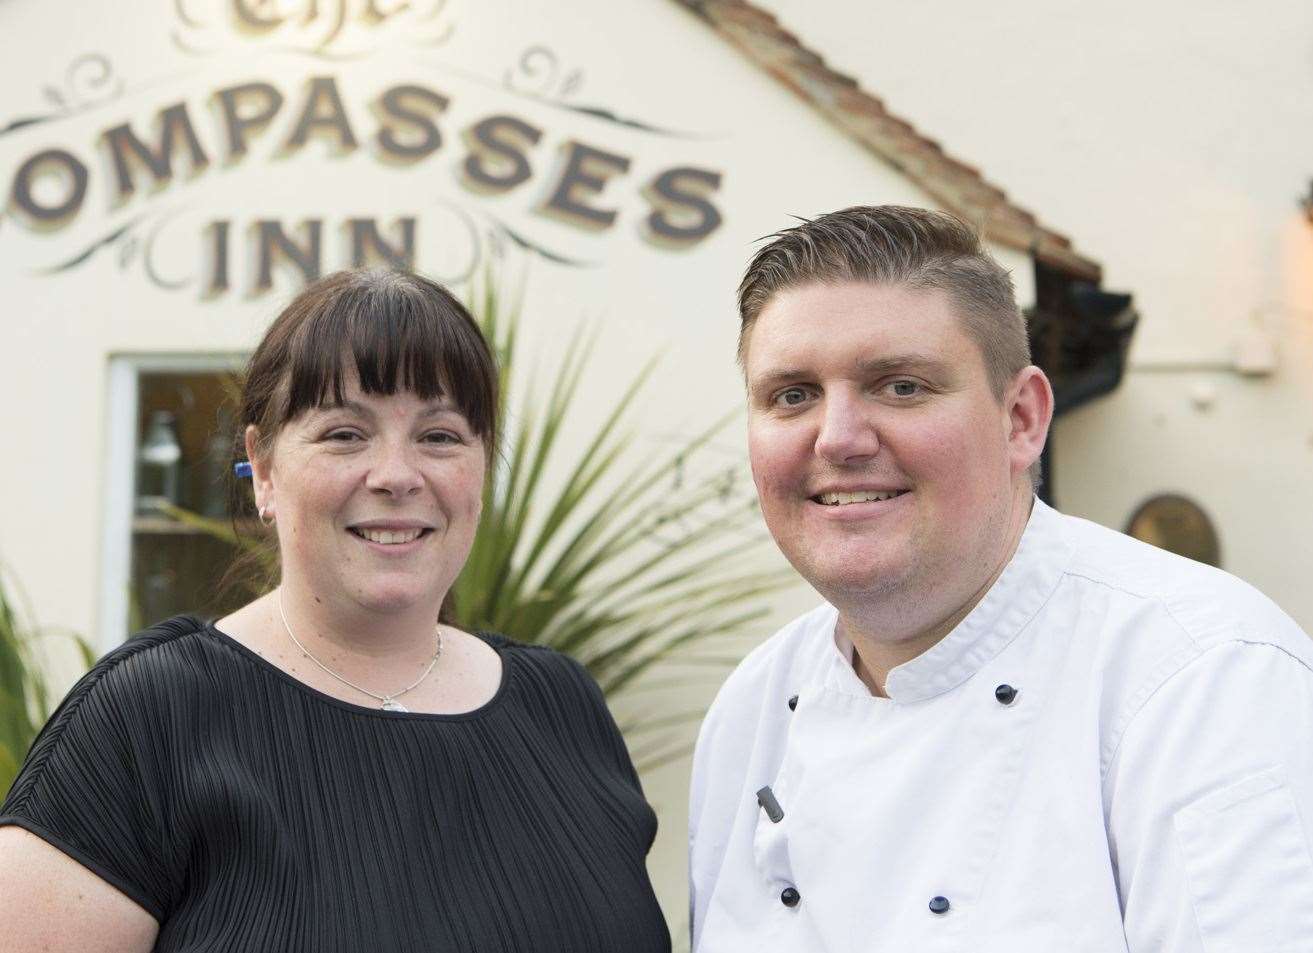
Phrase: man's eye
[905,388]
[791,397]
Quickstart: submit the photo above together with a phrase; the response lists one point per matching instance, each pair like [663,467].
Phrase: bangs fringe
[394,338]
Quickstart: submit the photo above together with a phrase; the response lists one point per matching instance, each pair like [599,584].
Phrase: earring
[266,518]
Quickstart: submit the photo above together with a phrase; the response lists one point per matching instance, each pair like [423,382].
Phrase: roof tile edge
[863,117]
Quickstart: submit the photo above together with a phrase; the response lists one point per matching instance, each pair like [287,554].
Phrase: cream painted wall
[1171,141]
[1154,144]
[652,61]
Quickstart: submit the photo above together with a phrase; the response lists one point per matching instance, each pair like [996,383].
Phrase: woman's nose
[394,471]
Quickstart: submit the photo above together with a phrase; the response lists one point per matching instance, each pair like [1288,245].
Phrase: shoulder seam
[1168,669]
[1155,600]
[93,678]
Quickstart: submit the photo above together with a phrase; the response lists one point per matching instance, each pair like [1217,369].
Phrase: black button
[1005,694]
[793,703]
[790,897]
[939,905]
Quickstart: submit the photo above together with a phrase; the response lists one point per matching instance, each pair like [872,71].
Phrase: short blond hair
[896,245]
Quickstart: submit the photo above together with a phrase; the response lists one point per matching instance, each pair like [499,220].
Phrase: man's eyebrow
[871,367]
[904,362]
[767,381]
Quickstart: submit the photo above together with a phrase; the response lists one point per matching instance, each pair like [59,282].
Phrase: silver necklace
[390,702]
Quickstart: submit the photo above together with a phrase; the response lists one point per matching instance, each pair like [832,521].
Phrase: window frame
[120,456]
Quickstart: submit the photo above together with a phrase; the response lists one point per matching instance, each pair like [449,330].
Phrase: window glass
[182,522]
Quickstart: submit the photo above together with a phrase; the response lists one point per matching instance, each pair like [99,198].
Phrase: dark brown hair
[892,244]
[398,331]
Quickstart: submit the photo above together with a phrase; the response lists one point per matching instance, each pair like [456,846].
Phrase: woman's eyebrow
[439,405]
[351,406]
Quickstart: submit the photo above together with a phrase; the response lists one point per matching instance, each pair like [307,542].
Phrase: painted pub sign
[417,159]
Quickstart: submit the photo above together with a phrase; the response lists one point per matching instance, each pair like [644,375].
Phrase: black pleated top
[247,811]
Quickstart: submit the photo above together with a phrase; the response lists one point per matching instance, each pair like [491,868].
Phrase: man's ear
[261,472]
[1029,404]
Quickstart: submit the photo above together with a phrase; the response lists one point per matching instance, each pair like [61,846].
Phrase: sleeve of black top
[91,784]
[608,737]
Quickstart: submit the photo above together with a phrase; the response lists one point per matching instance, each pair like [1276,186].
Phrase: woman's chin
[392,600]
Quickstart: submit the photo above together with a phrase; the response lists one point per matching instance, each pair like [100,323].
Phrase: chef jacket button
[939,905]
[1005,694]
[789,896]
[793,703]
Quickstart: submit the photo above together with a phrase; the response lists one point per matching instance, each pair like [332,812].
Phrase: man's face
[879,451]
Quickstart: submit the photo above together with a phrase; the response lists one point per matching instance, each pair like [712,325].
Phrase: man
[1006,729]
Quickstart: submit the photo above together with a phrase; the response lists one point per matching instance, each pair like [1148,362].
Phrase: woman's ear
[261,471]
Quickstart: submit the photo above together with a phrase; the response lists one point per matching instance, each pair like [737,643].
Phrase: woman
[332,768]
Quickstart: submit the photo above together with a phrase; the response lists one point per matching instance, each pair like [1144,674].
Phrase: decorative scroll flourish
[89,81]
[333,30]
[148,261]
[538,75]
[475,243]
[116,237]
[504,231]
[131,247]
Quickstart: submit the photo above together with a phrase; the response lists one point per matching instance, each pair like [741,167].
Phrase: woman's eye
[441,437]
[791,397]
[342,436]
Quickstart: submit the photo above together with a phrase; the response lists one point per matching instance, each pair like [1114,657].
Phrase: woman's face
[376,501]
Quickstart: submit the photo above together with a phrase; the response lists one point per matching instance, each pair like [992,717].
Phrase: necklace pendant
[391,705]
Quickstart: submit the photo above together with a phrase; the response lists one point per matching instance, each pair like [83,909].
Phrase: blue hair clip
[242,469]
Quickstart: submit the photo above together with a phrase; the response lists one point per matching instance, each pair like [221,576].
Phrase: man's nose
[848,430]
[394,470]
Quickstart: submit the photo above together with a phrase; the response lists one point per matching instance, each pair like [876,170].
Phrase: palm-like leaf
[24,688]
[622,564]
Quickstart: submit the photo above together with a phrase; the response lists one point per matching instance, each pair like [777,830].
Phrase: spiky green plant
[24,686]
[617,557]
[623,563]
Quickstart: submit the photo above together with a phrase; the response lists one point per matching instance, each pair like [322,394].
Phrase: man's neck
[873,660]
[876,653]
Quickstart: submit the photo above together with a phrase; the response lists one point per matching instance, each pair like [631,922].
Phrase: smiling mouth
[393,537]
[861,496]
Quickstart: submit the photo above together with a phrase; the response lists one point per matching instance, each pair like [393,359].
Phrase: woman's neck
[338,627]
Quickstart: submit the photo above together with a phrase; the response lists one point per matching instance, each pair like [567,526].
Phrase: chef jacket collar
[1011,602]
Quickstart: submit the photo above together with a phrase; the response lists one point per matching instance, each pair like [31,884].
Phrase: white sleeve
[724,748]
[700,877]
[1209,798]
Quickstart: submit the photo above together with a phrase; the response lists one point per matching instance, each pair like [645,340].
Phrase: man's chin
[850,582]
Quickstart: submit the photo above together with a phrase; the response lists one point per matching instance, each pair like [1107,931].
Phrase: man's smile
[847,497]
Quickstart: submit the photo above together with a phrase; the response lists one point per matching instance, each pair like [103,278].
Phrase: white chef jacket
[1149,787]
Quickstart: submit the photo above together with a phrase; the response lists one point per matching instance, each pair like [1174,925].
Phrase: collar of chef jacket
[1110,752]
[1023,587]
